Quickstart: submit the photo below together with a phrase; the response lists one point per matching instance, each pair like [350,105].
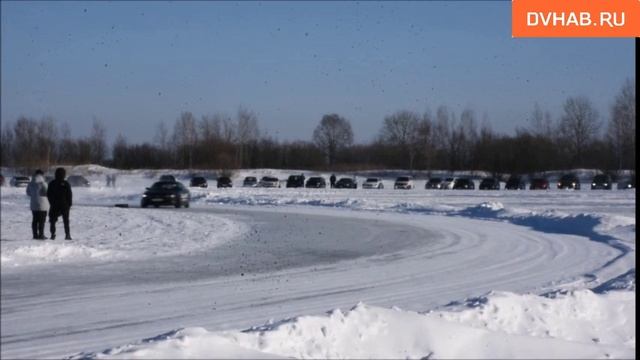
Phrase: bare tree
[26,143]
[332,135]
[98,142]
[186,136]
[621,131]
[6,145]
[401,129]
[578,126]
[246,133]
[47,138]
[162,136]
[540,122]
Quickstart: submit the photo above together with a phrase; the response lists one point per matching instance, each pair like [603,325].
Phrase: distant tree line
[441,140]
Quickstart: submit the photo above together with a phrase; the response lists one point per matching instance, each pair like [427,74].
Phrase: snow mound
[48,252]
[579,324]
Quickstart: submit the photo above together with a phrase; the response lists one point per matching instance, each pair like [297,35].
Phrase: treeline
[579,137]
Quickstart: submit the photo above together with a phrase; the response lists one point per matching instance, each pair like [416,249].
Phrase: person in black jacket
[60,199]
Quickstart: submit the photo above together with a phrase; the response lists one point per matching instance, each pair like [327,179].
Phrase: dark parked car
[78,181]
[463,184]
[346,183]
[627,183]
[539,184]
[316,182]
[167,178]
[198,181]
[224,182]
[601,182]
[295,181]
[489,184]
[250,181]
[434,183]
[515,182]
[19,181]
[569,181]
[166,193]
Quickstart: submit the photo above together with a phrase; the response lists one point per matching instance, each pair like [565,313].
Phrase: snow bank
[579,324]
[109,234]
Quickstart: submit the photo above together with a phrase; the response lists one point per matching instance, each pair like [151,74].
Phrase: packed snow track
[277,262]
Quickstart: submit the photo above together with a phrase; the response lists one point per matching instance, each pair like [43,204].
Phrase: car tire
[143,205]
[178,204]
[186,205]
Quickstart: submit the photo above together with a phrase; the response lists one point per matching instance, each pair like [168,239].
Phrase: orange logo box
[575,18]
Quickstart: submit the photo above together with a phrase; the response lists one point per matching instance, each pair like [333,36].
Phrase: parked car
[601,182]
[346,183]
[269,182]
[447,184]
[539,184]
[569,181]
[167,178]
[515,182]
[403,182]
[224,182]
[489,183]
[373,183]
[316,182]
[78,181]
[295,181]
[433,183]
[627,183]
[198,181]
[166,193]
[19,181]
[463,184]
[250,181]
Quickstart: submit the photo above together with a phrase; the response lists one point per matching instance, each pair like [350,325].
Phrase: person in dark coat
[37,191]
[332,180]
[60,199]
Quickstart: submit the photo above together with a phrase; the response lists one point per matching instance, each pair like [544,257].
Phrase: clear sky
[134,64]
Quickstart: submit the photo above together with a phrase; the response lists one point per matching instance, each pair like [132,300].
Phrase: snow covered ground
[273,273]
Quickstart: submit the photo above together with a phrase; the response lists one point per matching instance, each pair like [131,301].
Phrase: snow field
[244,255]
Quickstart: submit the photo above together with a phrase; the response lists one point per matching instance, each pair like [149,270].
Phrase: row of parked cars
[23,181]
[515,182]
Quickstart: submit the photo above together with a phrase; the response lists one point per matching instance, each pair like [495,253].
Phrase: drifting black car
[295,181]
[198,181]
[515,182]
[250,181]
[627,183]
[539,184]
[489,184]
[78,181]
[224,182]
[316,182]
[19,181]
[601,182]
[346,183]
[463,184]
[434,183]
[569,181]
[166,193]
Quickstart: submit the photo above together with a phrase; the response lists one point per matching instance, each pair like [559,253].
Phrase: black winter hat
[61,173]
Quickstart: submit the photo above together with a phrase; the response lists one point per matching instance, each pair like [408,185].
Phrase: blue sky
[134,64]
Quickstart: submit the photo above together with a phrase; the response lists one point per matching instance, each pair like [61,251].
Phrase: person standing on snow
[37,191]
[60,197]
[332,180]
